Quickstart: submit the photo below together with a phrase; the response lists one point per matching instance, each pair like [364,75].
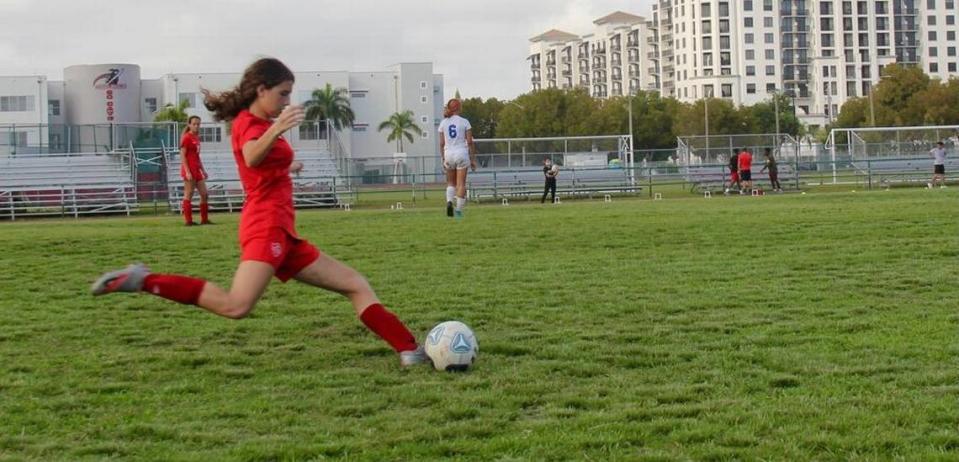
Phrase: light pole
[775,93]
[706,104]
[629,160]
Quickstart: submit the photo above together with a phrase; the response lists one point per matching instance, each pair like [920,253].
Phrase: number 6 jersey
[454,130]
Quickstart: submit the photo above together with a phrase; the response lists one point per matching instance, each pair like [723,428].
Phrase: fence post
[869,174]
[413,187]
[649,179]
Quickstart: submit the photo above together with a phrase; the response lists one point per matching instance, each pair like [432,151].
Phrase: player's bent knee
[238,310]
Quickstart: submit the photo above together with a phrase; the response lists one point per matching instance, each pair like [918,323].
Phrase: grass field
[797,327]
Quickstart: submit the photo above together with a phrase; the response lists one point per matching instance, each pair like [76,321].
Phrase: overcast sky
[480,46]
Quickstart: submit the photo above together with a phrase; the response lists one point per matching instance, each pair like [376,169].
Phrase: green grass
[797,327]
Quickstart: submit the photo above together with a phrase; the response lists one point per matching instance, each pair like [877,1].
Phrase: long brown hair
[268,72]
[188,120]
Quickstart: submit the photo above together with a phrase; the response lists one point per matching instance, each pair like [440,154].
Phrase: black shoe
[190,224]
[449,209]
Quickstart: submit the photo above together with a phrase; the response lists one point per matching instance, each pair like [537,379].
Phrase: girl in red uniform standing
[191,170]
[260,114]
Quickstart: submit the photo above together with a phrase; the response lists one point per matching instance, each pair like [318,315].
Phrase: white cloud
[480,47]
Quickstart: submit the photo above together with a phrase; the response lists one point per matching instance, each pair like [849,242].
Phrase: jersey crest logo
[276,248]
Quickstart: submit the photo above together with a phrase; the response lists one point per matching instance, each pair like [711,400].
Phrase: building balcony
[536,80]
[617,77]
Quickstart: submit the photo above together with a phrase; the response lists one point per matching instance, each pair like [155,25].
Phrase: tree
[550,112]
[401,125]
[483,115]
[891,96]
[171,113]
[332,105]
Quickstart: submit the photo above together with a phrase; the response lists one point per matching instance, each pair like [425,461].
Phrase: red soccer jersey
[191,143]
[268,187]
[745,161]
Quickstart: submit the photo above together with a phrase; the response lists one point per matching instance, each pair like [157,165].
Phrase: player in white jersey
[938,165]
[458,154]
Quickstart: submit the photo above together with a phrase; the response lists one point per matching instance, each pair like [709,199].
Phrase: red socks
[204,213]
[187,211]
[385,324]
[182,289]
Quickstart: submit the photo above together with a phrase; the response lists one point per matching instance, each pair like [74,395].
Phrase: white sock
[450,193]
[460,203]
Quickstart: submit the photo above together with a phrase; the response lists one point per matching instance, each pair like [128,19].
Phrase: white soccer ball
[451,346]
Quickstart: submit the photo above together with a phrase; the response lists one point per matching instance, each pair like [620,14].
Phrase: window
[18,138]
[707,27]
[708,91]
[423,85]
[767,5]
[723,10]
[770,87]
[750,55]
[750,70]
[151,104]
[750,88]
[53,107]
[357,94]
[749,38]
[424,99]
[825,8]
[933,67]
[424,119]
[747,5]
[210,134]
[769,38]
[932,36]
[951,35]
[952,67]
[951,51]
[707,43]
[950,20]
[723,26]
[767,22]
[190,99]
[707,59]
[16,103]
[727,90]
[933,52]
[748,22]
[931,20]
[425,134]
[706,11]
[770,70]
[725,59]
[770,54]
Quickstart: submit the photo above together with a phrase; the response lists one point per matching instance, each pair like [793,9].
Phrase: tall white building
[819,52]
[609,61]
[115,94]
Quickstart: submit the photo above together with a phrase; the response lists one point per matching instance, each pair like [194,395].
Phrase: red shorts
[196,171]
[734,177]
[286,254]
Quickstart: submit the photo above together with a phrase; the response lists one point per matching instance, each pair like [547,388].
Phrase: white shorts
[458,161]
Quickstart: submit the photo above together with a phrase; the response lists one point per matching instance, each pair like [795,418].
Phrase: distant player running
[734,172]
[938,165]
[259,112]
[192,172]
[457,153]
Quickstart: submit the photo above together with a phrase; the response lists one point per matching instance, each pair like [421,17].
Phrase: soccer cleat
[449,208]
[413,357]
[129,279]
[929,185]
[458,214]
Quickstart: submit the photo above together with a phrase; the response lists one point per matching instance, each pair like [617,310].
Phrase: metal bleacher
[318,185]
[528,183]
[67,185]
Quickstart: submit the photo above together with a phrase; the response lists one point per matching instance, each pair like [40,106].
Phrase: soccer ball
[451,346]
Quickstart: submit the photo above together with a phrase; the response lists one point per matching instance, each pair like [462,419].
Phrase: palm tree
[332,105]
[171,113]
[401,126]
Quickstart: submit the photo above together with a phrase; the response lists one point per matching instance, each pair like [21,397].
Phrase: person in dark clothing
[770,165]
[734,172]
[550,172]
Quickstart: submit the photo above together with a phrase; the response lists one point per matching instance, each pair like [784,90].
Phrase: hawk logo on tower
[109,80]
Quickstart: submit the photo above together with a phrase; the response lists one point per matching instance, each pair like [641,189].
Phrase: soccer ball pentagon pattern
[451,346]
